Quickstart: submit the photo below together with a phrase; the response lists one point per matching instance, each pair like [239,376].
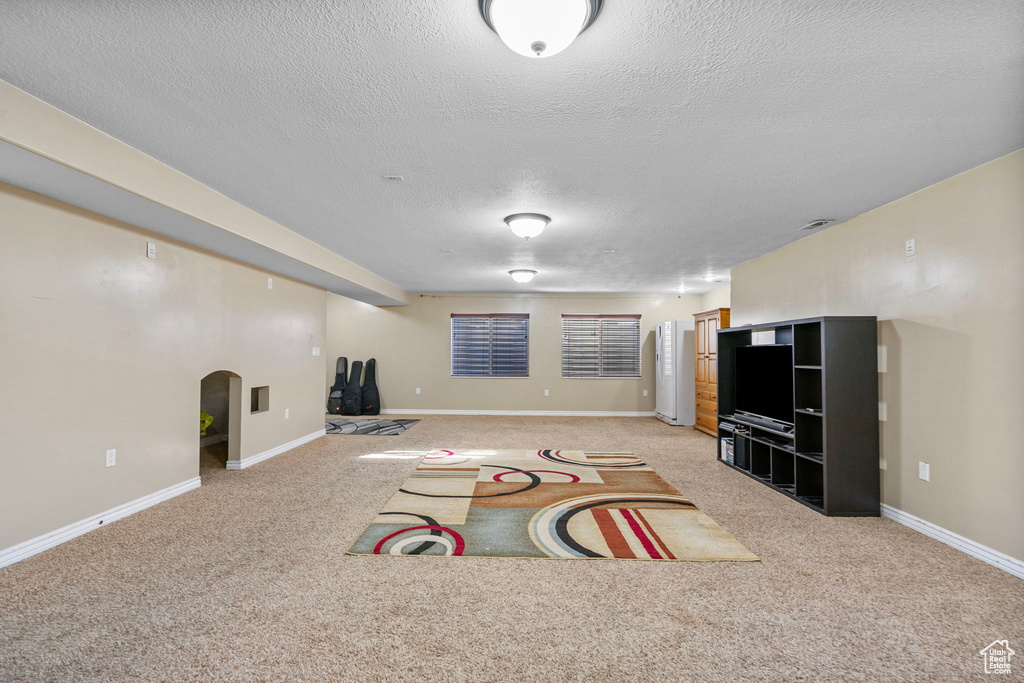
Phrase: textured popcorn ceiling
[687,136]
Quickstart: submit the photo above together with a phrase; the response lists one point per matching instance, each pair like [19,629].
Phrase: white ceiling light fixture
[711,277]
[522,275]
[539,28]
[527,225]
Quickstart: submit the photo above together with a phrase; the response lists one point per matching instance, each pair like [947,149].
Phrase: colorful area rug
[544,504]
[337,425]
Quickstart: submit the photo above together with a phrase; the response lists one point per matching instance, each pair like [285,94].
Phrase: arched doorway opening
[220,405]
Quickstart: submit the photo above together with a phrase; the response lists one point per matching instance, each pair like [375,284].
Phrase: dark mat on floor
[337,425]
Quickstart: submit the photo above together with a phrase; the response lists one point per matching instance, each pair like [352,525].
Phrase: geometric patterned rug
[337,425]
[544,504]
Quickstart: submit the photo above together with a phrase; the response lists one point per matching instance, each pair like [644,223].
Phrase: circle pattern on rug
[549,528]
[629,460]
[450,549]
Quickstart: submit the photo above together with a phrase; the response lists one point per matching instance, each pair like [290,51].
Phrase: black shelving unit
[829,460]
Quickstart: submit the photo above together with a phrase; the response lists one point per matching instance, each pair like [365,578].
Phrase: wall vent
[819,223]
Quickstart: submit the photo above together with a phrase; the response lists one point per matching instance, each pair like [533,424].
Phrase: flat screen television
[764,382]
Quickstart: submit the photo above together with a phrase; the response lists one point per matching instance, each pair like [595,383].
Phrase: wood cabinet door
[712,332]
[712,374]
[702,370]
[701,334]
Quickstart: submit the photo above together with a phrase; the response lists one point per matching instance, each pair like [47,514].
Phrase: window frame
[600,360]
[491,344]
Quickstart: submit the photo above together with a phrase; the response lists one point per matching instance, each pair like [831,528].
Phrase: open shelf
[807,388]
[810,482]
[761,460]
[782,468]
[809,433]
[807,344]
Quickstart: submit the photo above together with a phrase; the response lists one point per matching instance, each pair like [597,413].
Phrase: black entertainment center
[798,410]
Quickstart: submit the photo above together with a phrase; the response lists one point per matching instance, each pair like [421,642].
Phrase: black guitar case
[340,380]
[371,397]
[352,397]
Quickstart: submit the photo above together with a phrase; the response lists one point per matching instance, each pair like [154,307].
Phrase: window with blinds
[600,346]
[490,345]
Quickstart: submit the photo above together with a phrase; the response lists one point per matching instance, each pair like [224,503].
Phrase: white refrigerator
[674,358]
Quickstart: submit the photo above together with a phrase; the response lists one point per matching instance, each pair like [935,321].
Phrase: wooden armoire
[707,325]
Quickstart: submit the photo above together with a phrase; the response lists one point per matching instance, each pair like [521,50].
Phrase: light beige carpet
[246,579]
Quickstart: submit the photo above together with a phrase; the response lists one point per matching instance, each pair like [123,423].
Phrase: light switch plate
[911,248]
[270,283]
[111,457]
[150,249]
[924,471]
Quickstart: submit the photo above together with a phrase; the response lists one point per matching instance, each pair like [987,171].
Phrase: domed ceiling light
[527,225]
[539,28]
[522,275]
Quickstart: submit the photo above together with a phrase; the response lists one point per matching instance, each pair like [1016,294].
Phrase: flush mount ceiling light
[539,28]
[527,225]
[522,275]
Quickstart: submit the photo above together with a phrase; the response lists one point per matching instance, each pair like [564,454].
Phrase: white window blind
[600,345]
[490,345]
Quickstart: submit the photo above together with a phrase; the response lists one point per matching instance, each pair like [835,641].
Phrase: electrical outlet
[417,390]
[547,393]
[882,464]
[286,413]
[924,471]
[316,350]
[645,392]
[911,248]
[270,283]
[111,457]
[150,249]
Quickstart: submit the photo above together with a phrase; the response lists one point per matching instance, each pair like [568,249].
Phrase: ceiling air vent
[820,223]
[394,178]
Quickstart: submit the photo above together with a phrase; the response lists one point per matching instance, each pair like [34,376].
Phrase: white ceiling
[687,136]
[38,174]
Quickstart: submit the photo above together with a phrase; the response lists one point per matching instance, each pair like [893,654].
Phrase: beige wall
[952,331]
[104,348]
[413,349]
[716,298]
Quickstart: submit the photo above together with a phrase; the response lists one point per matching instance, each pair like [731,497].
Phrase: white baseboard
[210,440]
[38,544]
[529,413]
[277,450]
[974,549]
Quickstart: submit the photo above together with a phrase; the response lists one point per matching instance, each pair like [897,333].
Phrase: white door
[665,396]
